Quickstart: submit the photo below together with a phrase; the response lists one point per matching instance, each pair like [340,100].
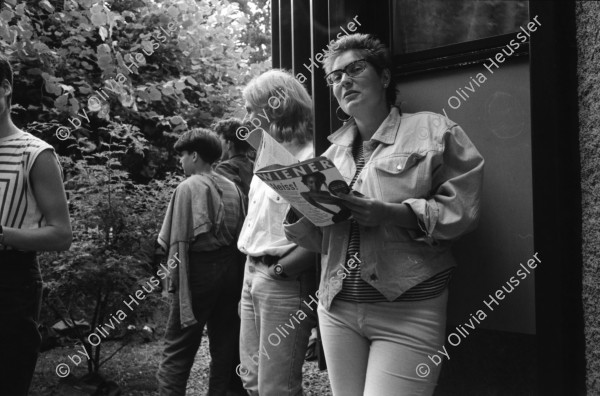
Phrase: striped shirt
[18,207]
[354,288]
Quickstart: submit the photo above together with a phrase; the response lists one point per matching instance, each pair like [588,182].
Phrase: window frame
[456,55]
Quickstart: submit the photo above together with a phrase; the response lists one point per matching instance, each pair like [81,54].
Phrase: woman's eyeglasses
[352,70]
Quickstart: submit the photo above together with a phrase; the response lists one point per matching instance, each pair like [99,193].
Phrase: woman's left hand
[366,211]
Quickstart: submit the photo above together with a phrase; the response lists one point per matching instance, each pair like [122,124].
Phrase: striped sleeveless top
[18,208]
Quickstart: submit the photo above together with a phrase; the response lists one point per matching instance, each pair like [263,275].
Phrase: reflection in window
[426,24]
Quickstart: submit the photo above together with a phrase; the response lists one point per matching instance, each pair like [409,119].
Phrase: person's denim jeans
[379,349]
[215,281]
[277,318]
[20,340]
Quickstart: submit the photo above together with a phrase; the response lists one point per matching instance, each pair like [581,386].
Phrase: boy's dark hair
[228,130]
[201,140]
[6,73]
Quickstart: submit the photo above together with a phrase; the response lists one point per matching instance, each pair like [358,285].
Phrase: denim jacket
[423,160]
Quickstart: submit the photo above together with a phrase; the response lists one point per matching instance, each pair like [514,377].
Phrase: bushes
[152,68]
[115,224]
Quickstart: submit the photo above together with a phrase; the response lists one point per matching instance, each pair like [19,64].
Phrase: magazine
[310,186]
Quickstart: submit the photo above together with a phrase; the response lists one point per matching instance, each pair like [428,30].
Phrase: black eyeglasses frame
[345,70]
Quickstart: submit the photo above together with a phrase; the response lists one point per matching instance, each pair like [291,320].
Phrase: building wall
[588,73]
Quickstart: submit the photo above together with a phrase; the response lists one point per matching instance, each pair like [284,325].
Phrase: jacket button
[399,167]
[374,277]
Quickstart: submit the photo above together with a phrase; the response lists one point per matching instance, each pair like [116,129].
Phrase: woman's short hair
[285,102]
[372,49]
[228,130]
[201,140]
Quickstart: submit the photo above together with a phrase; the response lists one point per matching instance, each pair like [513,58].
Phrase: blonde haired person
[383,290]
[279,275]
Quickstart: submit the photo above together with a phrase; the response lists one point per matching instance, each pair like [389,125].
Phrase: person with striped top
[416,181]
[33,217]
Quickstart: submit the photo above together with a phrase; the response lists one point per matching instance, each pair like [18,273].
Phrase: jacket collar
[386,133]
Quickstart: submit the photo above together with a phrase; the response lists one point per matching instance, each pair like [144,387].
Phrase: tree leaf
[103,33]
[191,80]
[6,15]
[45,4]
[61,102]
[154,94]
[99,19]
[168,90]
[176,120]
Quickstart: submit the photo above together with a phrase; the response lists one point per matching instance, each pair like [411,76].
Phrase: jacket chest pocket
[400,177]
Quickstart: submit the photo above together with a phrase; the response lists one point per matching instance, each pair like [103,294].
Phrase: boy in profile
[201,228]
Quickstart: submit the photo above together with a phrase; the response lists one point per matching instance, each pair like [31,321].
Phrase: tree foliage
[155,68]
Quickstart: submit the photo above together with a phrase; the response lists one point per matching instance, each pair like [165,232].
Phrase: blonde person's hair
[285,102]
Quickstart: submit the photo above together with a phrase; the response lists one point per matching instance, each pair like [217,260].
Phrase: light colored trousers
[376,349]
[274,333]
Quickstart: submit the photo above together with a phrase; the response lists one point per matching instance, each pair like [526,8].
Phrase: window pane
[426,24]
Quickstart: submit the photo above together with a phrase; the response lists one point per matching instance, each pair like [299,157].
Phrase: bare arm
[50,196]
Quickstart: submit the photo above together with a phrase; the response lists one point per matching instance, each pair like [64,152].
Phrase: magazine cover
[311,187]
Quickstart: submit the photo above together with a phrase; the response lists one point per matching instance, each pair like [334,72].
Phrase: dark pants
[215,280]
[20,302]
